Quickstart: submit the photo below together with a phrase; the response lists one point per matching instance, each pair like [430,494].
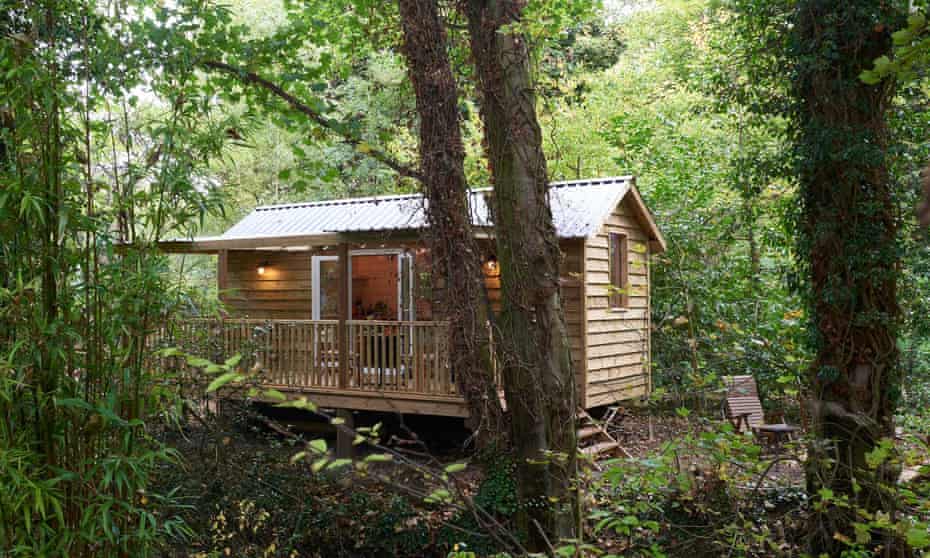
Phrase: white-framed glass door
[406,305]
[325,280]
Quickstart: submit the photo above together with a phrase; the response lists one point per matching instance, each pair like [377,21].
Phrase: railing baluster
[315,349]
[320,349]
[427,362]
[417,360]
[304,356]
[365,362]
[380,355]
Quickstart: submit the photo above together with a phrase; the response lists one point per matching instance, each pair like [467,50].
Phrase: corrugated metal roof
[578,209]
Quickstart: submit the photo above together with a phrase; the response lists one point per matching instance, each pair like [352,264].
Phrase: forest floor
[243,494]
[643,435]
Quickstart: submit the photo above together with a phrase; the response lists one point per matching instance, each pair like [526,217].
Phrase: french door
[325,281]
[326,278]
[406,306]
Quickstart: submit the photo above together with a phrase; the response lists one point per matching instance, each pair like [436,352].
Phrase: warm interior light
[490,266]
[261,268]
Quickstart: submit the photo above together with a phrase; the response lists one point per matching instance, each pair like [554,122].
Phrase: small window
[619,294]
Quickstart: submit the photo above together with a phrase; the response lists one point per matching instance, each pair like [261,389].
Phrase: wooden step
[600,448]
[586,432]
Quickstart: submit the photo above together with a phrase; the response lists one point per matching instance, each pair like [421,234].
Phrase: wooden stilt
[344,434]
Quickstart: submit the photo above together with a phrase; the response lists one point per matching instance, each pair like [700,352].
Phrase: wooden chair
[744,410]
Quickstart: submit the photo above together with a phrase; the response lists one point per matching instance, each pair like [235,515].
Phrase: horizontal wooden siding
[617,338]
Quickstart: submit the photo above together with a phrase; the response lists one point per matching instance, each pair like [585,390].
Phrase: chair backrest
[743,399]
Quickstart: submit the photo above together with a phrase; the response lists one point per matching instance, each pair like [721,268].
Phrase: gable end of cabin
[617,306]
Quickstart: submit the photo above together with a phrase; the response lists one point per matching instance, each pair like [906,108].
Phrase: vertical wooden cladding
[222,268]
[617,323]
[282,292]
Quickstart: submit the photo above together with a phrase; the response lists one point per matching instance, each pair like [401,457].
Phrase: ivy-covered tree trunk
[848,248]
[539,381]
[454,253]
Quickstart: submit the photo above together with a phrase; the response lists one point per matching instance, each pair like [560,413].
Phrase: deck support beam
[345,434]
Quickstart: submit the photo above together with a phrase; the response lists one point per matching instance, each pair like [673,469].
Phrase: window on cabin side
[618,253]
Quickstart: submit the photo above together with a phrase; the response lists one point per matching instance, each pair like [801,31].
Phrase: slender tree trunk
[7,265]
[755,258]
[749,212]
[849,247]
[455,256]
[49,173]
[538,378]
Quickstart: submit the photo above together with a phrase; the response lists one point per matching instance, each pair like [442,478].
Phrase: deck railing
[382,356]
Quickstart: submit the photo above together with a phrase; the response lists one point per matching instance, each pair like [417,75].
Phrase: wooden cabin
[336,299]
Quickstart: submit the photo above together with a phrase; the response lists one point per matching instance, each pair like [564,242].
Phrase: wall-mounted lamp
[491,269]
[262,267]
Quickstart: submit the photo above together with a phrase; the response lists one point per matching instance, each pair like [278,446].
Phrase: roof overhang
[657,243]
[215,244]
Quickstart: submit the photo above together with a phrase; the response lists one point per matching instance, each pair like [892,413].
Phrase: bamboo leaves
[224,379]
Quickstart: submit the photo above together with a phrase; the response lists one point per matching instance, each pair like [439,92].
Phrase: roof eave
[212,245]
[657,244]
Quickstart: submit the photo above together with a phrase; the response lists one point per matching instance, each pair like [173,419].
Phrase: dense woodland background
[658,90]
[118,129]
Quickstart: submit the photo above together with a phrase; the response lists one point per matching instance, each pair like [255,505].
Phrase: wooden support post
[343,314]
[345,434]
[222,283]
[222,268]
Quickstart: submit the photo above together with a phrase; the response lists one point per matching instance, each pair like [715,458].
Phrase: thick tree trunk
[849,248]
[538,378]
[455,256]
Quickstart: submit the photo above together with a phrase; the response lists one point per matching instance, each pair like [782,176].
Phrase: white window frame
[315,295]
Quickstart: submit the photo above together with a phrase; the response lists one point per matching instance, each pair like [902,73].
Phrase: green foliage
[675,109]
[851,154]
[911,53]
[92,177]
[699,483]
[497,494]
[250,501]
[113,137]
[333,58]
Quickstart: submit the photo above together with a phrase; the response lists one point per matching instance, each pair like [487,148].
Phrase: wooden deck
[391,366]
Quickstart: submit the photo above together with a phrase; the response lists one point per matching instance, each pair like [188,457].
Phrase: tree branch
[251,78]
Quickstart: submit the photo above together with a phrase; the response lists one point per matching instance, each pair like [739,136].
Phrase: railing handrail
[398,323]
[262,321]
[256,321]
